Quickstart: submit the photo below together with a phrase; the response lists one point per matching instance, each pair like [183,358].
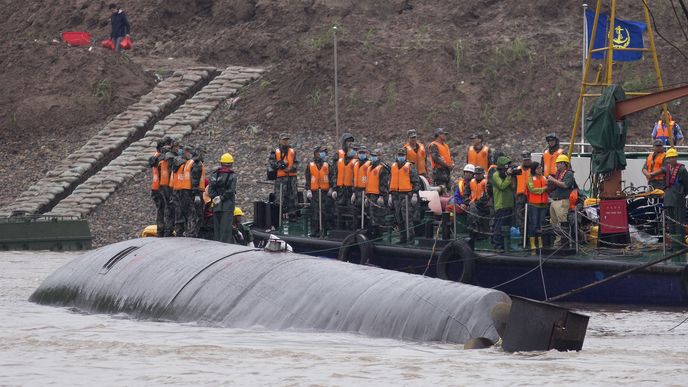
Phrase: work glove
[197,200]
[309,195]
[353,199]
[389,200]
[217,200]
[380,201]
[329,192]
[334,195]
[414,199]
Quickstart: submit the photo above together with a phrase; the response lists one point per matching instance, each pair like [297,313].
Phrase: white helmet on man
[469,168]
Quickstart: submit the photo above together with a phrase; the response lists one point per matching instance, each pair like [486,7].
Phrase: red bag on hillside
[76,38]
[108,43]
[126,43]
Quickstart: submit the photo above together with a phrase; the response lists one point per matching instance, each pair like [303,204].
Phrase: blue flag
[627,34]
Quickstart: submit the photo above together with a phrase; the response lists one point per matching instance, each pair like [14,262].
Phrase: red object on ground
[613,216]
[74,38]
[126,43]
[108,43]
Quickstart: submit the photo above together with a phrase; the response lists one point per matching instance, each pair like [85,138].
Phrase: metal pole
[658,74]
[610,43]
[575,227]
[279,223]
[408,231]
[336,88]
[454,218]
[363,198]
[585,55]
[525,226]
[664,233]
[320,212]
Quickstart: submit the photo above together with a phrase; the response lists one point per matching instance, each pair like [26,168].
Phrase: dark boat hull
[661,284]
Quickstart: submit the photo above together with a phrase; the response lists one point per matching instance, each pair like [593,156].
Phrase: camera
[513,170]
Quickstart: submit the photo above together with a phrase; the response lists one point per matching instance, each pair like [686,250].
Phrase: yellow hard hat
[671,153]
[562,159]
[238,212]
[226,158]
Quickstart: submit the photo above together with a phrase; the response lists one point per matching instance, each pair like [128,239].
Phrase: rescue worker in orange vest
[170,154]
[415,152]
[160,182]
[459,202]
[361,167]
[478,154]
[197,178]
[222,188]
[377,189]
[283,160]
[346,140]
[320,181]
[560,186]
[675,197]
[344,188]
[536,191]
[478,207]
[404,185]
[180,198]
[549,155]
[440,160]
[661,131]
[522,175]
[653,167]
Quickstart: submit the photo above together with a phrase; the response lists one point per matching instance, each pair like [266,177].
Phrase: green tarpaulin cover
[602,131]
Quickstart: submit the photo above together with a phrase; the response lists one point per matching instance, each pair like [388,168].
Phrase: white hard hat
[469,168]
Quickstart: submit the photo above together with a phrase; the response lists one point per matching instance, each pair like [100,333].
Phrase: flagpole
[585,56]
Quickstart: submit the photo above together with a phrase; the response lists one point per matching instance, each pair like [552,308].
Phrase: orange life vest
[655,163]
[319,177]
[164,173]
[373,180]
[418,158]
[361,174]
[549,161]
[444,154]
[663,131]
[479,159]
[345,173]
[533,198]
[178,178]
[184,176]
[522,181]
[477,189]
[291,155]
[401,178]
[155,181]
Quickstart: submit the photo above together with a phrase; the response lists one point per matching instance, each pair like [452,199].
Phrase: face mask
[401,159]
[323,155]
[351,153]
[373,159]
[362,156]
[180,152]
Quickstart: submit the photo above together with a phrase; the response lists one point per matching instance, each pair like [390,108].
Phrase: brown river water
[42,345]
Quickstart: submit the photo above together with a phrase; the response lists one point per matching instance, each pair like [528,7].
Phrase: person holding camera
[503,198]
[283,160]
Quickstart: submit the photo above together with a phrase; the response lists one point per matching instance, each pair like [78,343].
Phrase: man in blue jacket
[120,26]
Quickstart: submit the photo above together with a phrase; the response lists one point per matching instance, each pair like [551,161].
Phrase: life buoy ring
[353,241]
[456,262]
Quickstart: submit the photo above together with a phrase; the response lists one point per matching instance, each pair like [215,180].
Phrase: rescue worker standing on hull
[560,186]
[503,186]
[653,168]
[222,189]
[345,188]
[549,155]
[675,196]
[160,182]
[283,160]
[361,167]
[440,160]
[183,202]
[320,179]
[522,177]
[346,141]
[196,176]
[404,185]
[377,189]
[415,153]
[478,155]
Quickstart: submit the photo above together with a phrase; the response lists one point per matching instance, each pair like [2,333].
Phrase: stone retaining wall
[126,128]
[134,159]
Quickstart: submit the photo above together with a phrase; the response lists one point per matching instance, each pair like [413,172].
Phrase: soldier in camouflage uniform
[195,211]
[377,190]
[440,160]
[404,185]
[320,180]
[283,160]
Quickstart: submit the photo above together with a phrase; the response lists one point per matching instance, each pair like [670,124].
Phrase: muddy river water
[42,345]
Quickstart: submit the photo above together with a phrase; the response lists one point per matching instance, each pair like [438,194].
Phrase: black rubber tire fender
[456,255]
[356,240]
